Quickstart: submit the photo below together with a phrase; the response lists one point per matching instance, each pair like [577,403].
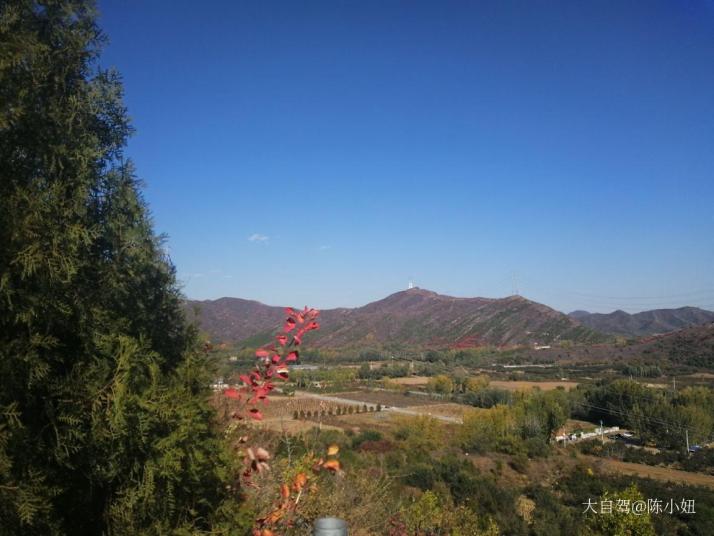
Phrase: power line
[700,292]
[707,292]
[669,425]
[703,298]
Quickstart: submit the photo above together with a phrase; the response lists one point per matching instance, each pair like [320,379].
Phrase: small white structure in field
[219,385]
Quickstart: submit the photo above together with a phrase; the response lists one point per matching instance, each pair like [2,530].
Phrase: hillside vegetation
[652,322]
[411,317]
[105,426]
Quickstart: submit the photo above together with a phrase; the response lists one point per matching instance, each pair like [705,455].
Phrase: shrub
[366,435]
[536,447]
[519,462]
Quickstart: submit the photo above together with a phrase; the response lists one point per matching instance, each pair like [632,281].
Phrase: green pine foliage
[105,425]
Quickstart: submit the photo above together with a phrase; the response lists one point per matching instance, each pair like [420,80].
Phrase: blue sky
[324,153]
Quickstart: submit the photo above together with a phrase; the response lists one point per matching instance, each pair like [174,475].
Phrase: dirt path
[649,471]
[417,413]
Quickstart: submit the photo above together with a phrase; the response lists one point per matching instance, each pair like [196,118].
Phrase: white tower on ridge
[411,284]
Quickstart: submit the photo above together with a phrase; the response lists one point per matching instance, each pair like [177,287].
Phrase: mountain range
[645,323]
[424,318]
[411,317]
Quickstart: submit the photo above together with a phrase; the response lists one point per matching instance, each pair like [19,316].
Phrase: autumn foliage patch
[271,365]
[272,362]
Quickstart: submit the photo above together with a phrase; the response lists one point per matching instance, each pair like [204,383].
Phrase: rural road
[360,403]
[415,413]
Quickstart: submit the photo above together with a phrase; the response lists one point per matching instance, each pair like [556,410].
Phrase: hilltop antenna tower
[411,285]
[515,284]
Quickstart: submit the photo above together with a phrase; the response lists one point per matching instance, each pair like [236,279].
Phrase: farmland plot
[528,385]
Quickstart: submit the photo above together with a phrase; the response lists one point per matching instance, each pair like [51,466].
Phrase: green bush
[519,462]
[366,435]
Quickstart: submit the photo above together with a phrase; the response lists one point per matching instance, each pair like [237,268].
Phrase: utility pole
[674,383]
[602,433]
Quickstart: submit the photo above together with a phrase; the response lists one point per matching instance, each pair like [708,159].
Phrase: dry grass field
[385,421]
[382,421]
[292,426]
[411,380]
[528,385]
[702,375]
[278,414]
[648,471]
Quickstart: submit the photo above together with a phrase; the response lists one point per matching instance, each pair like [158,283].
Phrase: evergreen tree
[104,421]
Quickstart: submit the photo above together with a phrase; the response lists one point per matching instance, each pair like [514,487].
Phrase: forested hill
[645,323]
[414,317]
[689,347]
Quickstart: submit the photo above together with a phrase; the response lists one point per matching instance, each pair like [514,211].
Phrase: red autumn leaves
[291,493]
[332,463]
[272,360]
[272,363]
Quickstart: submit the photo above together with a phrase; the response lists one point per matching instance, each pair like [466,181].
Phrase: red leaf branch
[271,363]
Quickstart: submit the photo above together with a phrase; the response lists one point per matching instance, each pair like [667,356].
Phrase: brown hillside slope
[692,347]
[411,317]
[652,322]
